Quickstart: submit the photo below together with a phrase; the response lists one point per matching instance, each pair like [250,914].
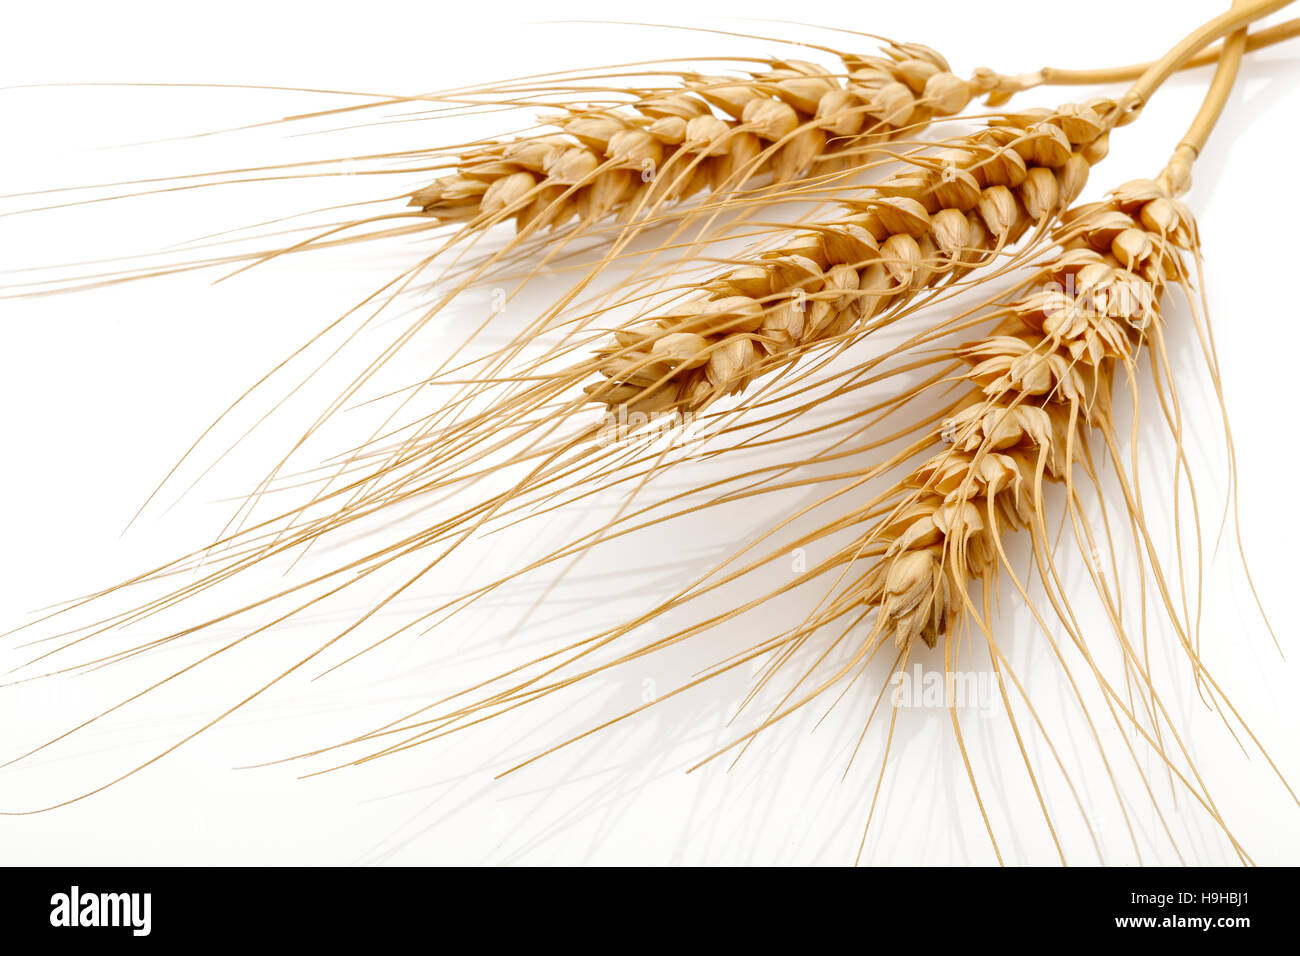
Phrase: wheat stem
[1005,86]
[1216,98]
[1240,15]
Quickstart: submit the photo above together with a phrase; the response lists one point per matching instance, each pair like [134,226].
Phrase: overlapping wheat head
[1041,381]
[961,208]
[955,211]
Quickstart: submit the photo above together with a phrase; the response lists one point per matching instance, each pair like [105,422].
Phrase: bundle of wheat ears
[933,312]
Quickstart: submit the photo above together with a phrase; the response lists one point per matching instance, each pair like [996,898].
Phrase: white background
[101,392]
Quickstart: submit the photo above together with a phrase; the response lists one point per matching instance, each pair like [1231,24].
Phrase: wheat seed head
[953,212]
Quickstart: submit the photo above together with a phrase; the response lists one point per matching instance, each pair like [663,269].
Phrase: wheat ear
[1039,380]
[782,123]
[1038,383]
[785,122]
[951,213]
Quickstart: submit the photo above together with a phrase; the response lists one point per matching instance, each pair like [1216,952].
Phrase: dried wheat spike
[782,122]
[953,212]
[1046,371]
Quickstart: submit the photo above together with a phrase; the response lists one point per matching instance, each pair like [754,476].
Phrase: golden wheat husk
[617,140]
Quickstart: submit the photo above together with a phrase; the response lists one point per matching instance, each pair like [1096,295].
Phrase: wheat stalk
[1038,382]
